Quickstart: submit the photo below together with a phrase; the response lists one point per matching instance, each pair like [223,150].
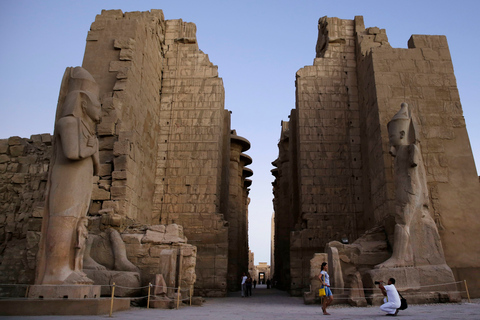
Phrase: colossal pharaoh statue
[75,160]
[417,261]
[416,239]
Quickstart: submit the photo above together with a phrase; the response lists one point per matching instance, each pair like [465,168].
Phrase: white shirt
[392,295]
[326,278]
[244,278]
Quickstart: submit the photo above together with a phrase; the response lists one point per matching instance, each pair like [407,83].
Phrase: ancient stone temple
[170,168]
[336,189]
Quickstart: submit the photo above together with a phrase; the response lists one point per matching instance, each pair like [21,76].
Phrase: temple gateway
[145,181]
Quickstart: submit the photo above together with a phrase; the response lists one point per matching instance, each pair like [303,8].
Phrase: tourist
[248,284]
[254,283]
[325,279]
[392,300]
[243,285]
[268,283]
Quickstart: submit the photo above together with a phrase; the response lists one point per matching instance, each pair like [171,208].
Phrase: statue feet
[89,263]
[122,264]
[77,277]
[394,263]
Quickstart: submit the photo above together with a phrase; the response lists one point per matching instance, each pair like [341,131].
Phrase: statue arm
[67,129]
[96,161]
[414,155]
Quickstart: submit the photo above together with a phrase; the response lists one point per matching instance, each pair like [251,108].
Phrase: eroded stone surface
[334,177]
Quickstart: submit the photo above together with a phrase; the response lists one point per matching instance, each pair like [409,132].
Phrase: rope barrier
[184,290]
[129,287]
[409,295]
[426,286]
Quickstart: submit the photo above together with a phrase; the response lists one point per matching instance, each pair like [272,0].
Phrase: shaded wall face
[283,207]
[376,203]
[190,164]
[124,53]
[329,155]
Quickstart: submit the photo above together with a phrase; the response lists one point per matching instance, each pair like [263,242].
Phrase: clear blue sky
[257,45]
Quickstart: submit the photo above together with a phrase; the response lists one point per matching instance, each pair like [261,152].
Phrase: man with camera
[392,300]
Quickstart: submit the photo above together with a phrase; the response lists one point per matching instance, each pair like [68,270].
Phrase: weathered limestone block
[14,141]
[99,193]
[19,178]
[132,238]
[153,237]
[106,127]
[336,277]
[160,285]
[3,146]
[4,158]
[105,170]
[160,302]
[356,295]
[17,150]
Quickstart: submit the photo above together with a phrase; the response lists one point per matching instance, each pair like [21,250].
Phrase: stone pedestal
[61,307]
[64,292]
[423,284]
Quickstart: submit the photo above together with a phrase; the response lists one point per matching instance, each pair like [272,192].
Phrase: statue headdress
[403,119]
[75,79]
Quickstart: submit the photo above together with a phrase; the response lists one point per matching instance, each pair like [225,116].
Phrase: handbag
[321,292]
[403,302]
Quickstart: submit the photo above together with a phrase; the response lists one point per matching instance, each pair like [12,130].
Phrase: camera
[378,282]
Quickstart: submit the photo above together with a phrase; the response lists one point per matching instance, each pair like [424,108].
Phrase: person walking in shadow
[325,279]
[248,284]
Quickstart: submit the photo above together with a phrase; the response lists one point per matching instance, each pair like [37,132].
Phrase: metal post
[179,293]
[191,294]
[111,303]
[148,299]
[466,288]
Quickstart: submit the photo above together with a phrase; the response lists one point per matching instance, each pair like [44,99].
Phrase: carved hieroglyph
[75,160]
[416,238]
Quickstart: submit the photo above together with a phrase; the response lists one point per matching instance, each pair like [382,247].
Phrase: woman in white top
[325,279]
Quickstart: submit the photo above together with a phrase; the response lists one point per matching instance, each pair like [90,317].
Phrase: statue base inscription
[64,292]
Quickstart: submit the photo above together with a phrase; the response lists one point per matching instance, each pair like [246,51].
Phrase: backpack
[403,302]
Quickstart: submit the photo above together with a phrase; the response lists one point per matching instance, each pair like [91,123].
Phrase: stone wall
[345,182]
[23,178]
[330,160]
[167,132]
[424,75]
[125,55]
[283,205]
[165,149]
